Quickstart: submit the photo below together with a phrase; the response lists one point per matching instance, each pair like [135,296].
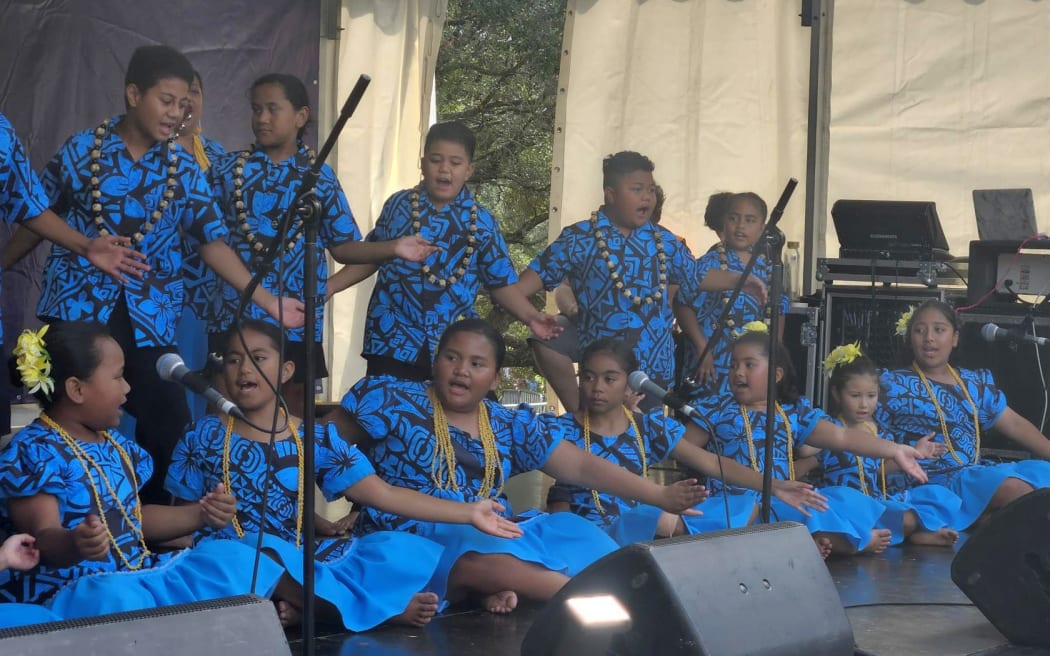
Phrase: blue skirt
[935,507]
[12,615]
[561,542]
[212,569]
[977,484]
[371,581]
[638,524]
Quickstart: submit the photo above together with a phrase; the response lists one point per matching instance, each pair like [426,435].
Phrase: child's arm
[544,326]
[717,280]
[565,300]
[216,509]
[59,547]
[221,258]
[19,552]
[347,277]
[827,435]
[410,247]
[686,318]
[484,514]
[1020,430]
[570,464]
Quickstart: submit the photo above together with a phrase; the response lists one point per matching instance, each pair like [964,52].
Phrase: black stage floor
[900,603]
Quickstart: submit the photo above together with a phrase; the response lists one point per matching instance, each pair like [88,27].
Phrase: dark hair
[74,351]
[454,131]
[748,196]
[617,348]
[150,64]
[787,388]
[658,207]
[264,328]
[614,167]
[479,327]
[198,79]
[294,91]
[716,210]
[840,375]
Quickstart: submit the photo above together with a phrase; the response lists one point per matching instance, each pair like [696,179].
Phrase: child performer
[72,482]
[19,552]
[414,302]
[957,405]
[620,265]
[447,440]
[698,314]
[925,514]
[255,189]
[738,423]
[609,430]
[128,177]
[370,579]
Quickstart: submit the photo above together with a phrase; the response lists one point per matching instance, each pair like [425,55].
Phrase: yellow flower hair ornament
[34,362]
[753,327]
[902,321]
[841,355]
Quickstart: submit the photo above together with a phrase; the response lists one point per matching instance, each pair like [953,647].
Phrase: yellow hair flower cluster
[34,362]
[903,320]
[841,355]
[753,327]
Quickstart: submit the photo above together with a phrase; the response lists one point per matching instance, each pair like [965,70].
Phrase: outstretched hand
[485,516]
[91,540]
[414,248]
[545,326]
[800,496]
[112,255]
[928,449]
[906,457]
[289,311]
[756,288]
[19,552]
[681,496]
[218,507]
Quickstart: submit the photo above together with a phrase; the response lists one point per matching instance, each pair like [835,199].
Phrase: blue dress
[408,313]
[398,417]
[849,512]
[708,307]
[626,520]
[935,506]
[908,413]
[37,461]
[368,579]
[604,310]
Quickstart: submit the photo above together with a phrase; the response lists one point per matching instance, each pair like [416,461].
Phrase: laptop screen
[1004,214]
[889,229]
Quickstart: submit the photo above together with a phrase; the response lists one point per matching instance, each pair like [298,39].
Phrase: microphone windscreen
[166,365]
[636,379]
[988,332]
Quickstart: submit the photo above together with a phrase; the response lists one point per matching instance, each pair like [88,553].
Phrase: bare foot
[944,537]
[669,526]
[500,603]
[419,611]
[880,539]
[823,545]
[288,614]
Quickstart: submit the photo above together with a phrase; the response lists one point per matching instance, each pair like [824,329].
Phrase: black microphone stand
[308,207]
[770,235]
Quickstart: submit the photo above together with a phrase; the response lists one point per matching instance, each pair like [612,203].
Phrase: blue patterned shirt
[725,423]
[198,279]
[399,419]
[708,307]
[21,196]
[269,188]
[131,191]
[407,313]
[660,435]
[841,468]
[38,461]
[196,468]
[908,413]
[604,310]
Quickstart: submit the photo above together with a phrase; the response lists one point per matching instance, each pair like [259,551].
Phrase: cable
[1013,262]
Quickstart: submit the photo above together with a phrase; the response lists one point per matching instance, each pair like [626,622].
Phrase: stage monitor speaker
[1004,568]
[223,627]
[758,591]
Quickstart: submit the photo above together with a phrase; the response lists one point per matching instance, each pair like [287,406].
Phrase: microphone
[641,384]
[171,367]
[993,333]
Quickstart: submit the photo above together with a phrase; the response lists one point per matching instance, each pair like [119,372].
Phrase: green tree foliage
[497,71]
